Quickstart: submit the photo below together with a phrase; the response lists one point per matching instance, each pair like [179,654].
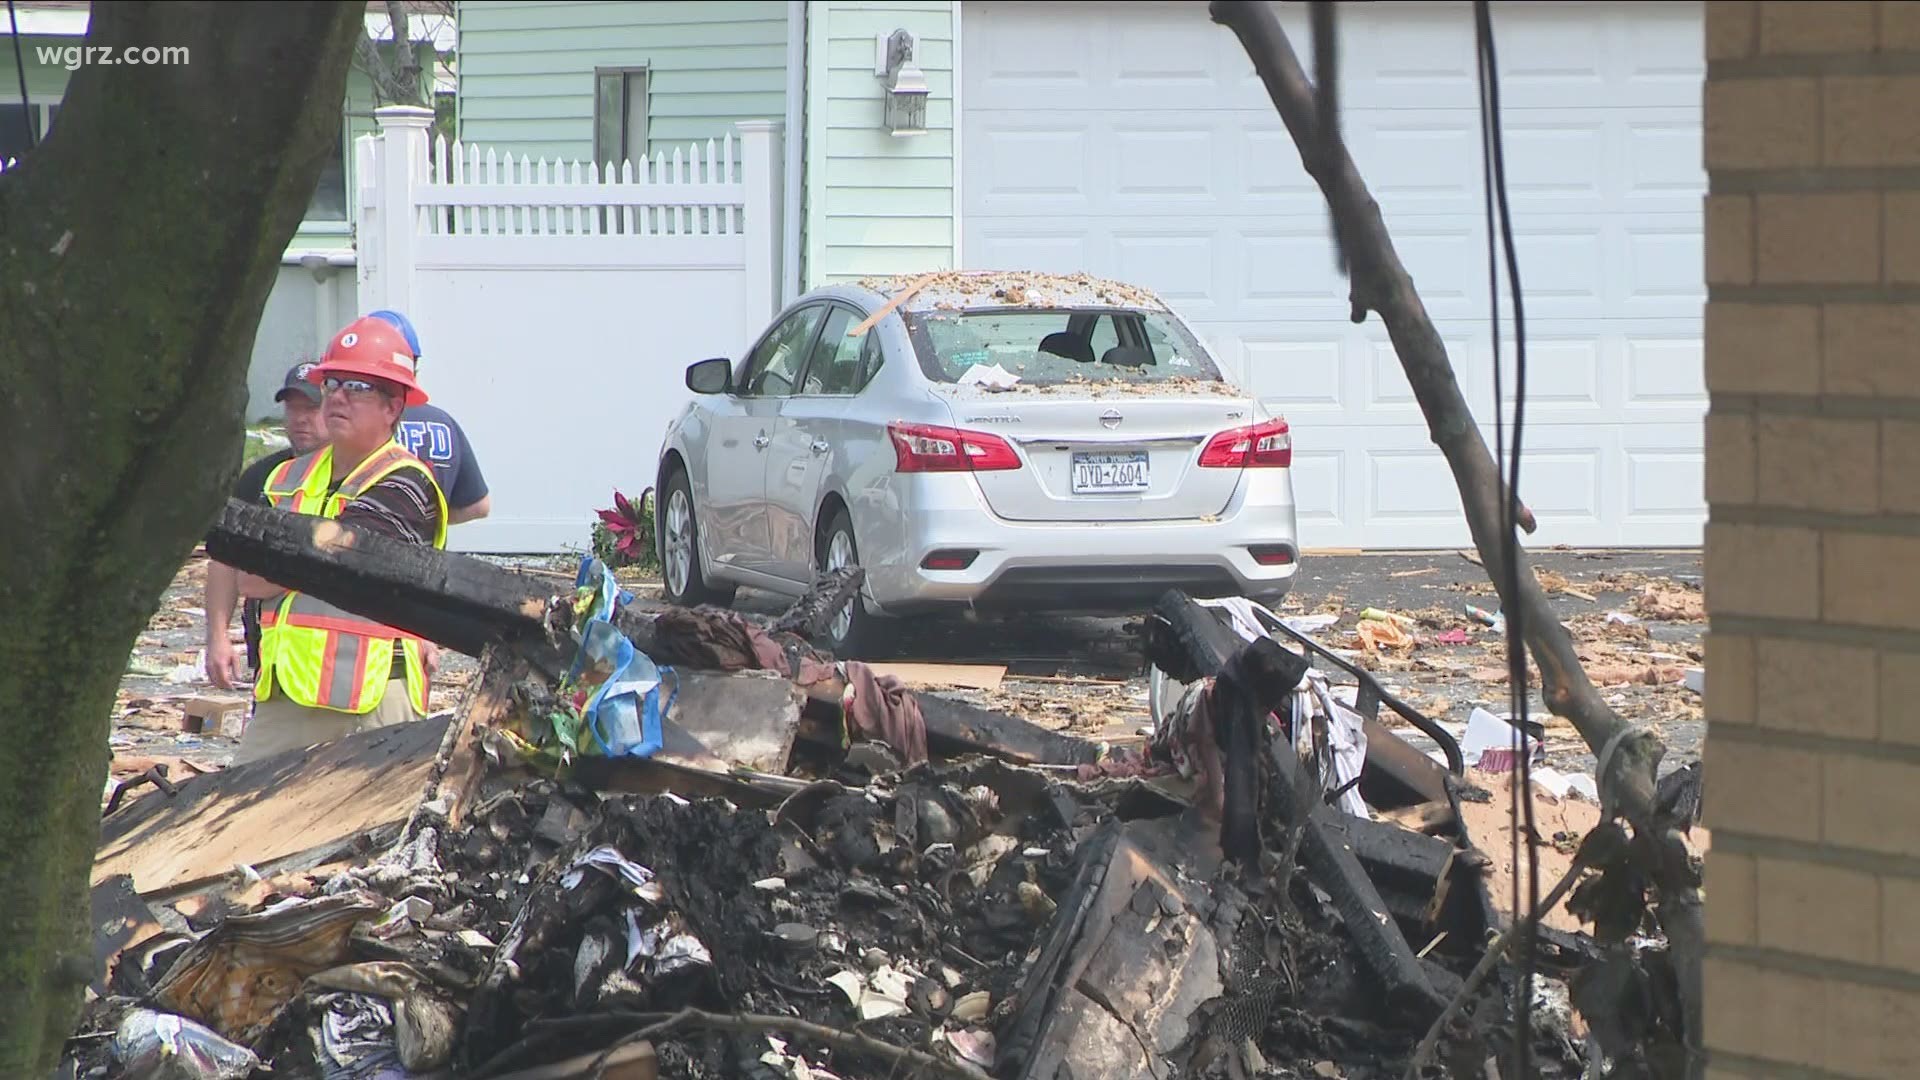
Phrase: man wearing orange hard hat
[326,672]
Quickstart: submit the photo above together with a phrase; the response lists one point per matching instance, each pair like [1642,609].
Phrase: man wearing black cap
[306,431]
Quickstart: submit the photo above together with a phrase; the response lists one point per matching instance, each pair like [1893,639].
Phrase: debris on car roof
[957,290]
[1181,386]
[801,867]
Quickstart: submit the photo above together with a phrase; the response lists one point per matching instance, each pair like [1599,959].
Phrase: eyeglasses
[353,387]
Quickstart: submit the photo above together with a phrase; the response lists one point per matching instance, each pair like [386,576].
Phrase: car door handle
[819,446]
[761,440]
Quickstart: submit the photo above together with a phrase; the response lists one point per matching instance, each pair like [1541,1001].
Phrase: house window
[619,115]
[16,136]
[329,200]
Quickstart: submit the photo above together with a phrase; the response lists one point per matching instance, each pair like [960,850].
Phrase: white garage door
[1134,140]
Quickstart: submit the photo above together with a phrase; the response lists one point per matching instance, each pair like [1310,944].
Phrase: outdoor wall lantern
[906,112]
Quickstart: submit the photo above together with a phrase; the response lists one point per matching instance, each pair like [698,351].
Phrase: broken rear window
[1054,346]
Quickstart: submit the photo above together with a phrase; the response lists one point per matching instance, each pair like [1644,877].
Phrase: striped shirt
[401,506]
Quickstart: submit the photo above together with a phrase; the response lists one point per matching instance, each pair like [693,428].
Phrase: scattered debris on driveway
[797,866]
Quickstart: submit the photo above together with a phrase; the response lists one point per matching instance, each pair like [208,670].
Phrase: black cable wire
[1493,161]
[20,65]
[1499,427]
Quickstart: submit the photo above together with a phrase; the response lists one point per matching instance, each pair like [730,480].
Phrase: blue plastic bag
[608,597]
[623,714]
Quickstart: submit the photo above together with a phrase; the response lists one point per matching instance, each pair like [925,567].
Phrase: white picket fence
[695,191]
[559,303]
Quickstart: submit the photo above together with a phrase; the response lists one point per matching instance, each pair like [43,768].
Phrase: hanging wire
[20,65]
[1493,162]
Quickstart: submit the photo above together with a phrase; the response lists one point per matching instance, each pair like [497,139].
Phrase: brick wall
[1813,548]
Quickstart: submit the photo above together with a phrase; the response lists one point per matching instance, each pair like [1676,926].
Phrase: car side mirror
[713,376]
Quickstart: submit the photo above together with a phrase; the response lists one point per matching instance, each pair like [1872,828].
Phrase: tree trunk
[1629,756]
[137,248]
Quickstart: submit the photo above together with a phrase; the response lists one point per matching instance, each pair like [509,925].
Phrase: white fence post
[760,162]
[402,168]
[370,288]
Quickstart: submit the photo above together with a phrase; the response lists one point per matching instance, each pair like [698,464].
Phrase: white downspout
[794,147]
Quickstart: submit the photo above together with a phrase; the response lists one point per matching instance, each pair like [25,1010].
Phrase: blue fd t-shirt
[435,438]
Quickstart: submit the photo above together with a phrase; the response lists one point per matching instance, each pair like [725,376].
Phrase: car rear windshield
[1054,346]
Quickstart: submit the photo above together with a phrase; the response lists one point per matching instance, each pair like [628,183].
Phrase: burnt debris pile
[658,842]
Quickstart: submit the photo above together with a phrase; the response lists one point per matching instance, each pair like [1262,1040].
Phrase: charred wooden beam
[810,615]
[1207,646]
[1397,859]
[1336,869]
[1430,884]
[956,728]
[453,600]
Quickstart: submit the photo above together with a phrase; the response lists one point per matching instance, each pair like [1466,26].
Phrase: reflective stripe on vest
[319,654]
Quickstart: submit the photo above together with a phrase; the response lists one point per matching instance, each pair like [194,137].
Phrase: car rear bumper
[1106,567]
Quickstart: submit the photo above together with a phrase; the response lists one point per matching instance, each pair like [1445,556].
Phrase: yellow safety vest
[318,654]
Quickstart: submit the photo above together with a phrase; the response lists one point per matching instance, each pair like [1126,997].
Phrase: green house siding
[876,203]
[527,69]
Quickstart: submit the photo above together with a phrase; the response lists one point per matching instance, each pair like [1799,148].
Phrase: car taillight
[926,448]
[949,560]
[1262,446]
[1271,554]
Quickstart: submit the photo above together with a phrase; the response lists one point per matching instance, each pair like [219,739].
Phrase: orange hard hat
[375,348]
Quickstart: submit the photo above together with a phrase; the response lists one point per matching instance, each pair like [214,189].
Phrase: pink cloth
[881,707]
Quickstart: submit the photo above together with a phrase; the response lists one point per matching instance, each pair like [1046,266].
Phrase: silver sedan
[997,442]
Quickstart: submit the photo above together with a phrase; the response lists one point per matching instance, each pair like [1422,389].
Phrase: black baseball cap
[297,380]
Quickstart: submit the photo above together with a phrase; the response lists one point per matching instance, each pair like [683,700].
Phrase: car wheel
[679,531]
[852,633]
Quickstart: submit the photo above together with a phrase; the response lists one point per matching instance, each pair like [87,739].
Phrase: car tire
[678,528]
[855,633]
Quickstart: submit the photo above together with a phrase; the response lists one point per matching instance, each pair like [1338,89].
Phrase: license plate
[1104,474]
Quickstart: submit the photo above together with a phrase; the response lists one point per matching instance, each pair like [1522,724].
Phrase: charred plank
[1334,867]
[1431,885]
[454,600]
[956,728]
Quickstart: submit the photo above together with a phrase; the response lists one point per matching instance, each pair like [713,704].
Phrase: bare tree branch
[397,78]
[1629,756]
